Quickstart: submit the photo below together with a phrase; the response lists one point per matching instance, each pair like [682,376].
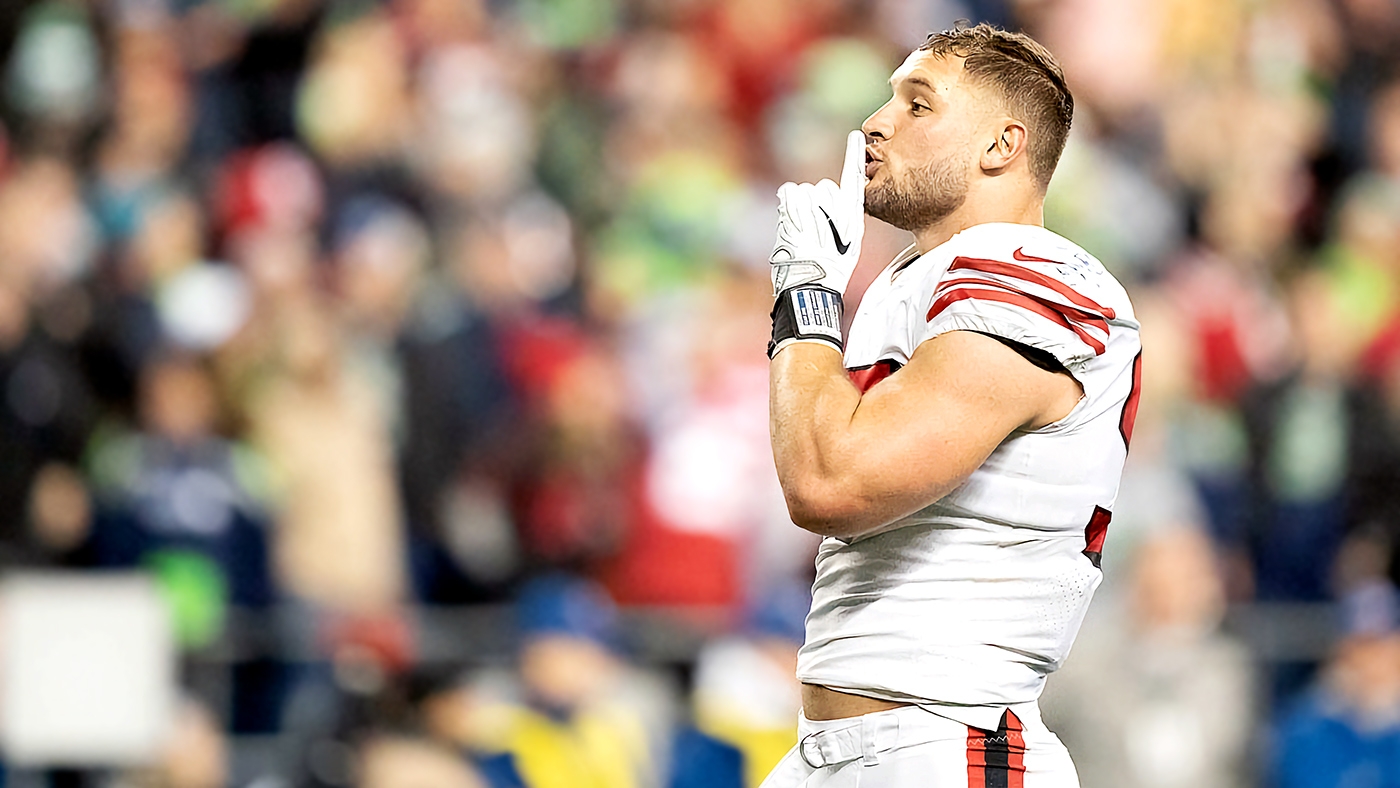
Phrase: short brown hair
[1028,77]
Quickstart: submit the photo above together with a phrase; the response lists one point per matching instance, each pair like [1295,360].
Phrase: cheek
[908,165]
[914,152]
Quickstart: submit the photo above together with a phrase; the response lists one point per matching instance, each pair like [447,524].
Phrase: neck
[984,208]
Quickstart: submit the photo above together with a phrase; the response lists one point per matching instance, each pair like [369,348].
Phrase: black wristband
[811,313]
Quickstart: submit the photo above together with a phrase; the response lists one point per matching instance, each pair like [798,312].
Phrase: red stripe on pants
[976,758]
[1016,745]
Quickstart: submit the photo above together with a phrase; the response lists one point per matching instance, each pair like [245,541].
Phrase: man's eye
[919,106]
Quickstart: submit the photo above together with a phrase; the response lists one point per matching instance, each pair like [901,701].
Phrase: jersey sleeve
[1023,302]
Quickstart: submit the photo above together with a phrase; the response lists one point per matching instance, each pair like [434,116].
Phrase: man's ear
[1002,150]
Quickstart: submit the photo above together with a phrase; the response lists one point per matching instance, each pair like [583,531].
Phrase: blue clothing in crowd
[1321,745]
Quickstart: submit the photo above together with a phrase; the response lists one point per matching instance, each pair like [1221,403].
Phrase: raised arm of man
[852,462]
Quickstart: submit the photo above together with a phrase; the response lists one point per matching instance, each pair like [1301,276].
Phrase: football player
[960,448]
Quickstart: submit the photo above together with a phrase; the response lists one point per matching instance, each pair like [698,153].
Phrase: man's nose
[877,126]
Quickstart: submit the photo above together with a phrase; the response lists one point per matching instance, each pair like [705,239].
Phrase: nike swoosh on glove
[820,228]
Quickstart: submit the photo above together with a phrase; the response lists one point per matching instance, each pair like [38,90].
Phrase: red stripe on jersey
[1093,319]
[976,758]
[996,267]
[866,377]
[1130,406]
[1016,751]
[1097,530]
[1050,312]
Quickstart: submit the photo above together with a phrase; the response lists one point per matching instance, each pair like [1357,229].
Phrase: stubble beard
[925,196]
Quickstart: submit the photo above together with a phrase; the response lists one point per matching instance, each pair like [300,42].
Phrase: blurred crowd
[321,312]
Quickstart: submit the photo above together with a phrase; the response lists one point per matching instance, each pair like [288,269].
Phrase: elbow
[824,511]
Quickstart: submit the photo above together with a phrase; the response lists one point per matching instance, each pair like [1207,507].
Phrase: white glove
[820,227]
[819,233]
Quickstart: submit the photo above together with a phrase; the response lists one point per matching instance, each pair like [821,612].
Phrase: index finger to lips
[853,171]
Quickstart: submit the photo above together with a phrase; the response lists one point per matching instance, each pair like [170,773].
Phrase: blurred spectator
[1347,730]
[46,416]
[580,716]
[352,103]
[460,446]
[1158,696]
[1302,429]
[177,497]
[326,436]
[746,697]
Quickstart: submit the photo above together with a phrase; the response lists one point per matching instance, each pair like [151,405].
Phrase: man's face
[924,142]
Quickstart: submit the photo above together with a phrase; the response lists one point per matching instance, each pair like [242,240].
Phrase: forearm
[811,407]
[851,462]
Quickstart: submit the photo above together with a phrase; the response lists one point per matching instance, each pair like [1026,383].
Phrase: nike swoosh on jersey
[1021,255]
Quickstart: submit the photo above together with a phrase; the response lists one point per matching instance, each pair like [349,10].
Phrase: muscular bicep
[921,432]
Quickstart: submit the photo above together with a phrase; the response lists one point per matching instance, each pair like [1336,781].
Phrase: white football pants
[909,747]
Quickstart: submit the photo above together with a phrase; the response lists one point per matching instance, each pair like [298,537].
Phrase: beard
[923,197]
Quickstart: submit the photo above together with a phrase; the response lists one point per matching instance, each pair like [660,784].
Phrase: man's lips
[872,161]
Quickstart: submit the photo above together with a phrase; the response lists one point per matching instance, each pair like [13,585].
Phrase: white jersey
[965,606]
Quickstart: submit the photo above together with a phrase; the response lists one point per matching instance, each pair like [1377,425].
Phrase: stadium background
[411,354]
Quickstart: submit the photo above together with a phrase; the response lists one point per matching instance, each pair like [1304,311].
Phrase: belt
[842,741]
